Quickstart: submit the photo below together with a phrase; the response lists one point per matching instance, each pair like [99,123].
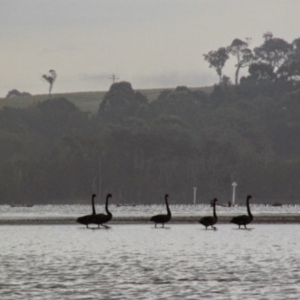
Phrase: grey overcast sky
[150,43]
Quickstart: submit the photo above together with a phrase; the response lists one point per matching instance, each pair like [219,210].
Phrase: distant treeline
[52,152]
[138,150]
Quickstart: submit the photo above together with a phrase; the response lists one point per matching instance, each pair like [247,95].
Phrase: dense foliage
[52,152]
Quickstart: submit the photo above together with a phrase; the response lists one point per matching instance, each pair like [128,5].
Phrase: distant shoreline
[261,219]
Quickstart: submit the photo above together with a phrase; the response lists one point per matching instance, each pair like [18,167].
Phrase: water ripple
[136,262]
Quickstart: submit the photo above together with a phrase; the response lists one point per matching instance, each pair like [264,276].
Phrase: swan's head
[109,195]
[215,200]
[94,195]
[249,197]
[166,195]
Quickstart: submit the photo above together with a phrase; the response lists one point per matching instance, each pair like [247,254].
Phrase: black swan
[162,218]
[244,219]
[88,219]
[210,221]
[99,219]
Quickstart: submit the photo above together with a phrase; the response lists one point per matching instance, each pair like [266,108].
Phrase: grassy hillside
[85,101]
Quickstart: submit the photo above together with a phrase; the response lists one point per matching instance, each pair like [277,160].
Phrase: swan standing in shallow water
[99,219]
[210,221]
[162,219]
[243,219]
[88,219]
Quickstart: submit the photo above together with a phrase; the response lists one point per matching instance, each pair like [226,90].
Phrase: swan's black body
[162,219]
[99,219]
[243,219]
[209,220]
[88,219]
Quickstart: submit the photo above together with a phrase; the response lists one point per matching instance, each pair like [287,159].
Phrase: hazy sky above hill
[150,43]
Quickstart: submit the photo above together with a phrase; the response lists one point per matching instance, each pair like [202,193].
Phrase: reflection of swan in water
[163,218]
[88,219]
[209,220]
[99,219]
[243,219]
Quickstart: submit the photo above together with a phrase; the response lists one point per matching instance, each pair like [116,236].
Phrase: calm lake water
[140,262]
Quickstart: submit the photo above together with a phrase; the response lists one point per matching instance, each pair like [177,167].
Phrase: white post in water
[195,191]
[234,184]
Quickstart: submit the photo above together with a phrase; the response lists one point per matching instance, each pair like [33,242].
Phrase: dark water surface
[140,262]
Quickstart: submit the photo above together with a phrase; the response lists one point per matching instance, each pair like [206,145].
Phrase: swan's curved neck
[215,214]
[106,206]
[93,205]
[248,208]
[167,204]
